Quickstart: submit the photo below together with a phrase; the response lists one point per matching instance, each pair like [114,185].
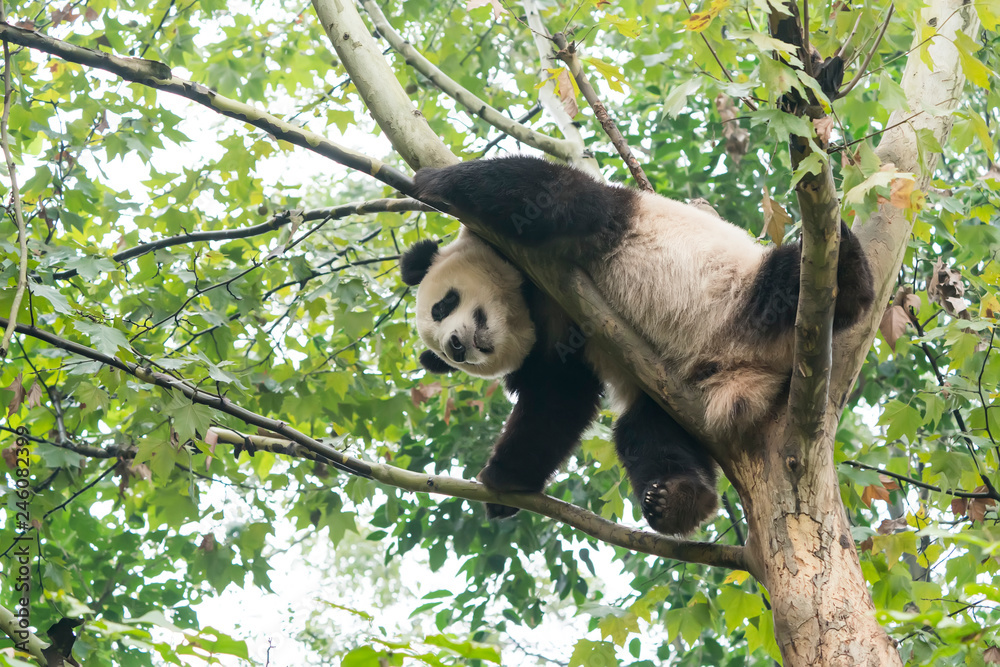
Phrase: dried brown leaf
[890,526]
[207,542]
[824,128]
[991,656]
[34,395]
[10,456]
[873,492]
[893,325]
[18,388]
[888,482]
[424,392]
[776,218]
[959,506]
[567,93]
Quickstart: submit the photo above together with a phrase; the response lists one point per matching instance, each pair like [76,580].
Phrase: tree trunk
[800,549]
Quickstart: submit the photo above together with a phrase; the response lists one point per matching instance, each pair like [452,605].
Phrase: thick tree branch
[404,125]
[278,221]
[885,234]
[630,538]
[310,448]
[22,637]
[820,209]
[157,75]
[560,148]
[567,53]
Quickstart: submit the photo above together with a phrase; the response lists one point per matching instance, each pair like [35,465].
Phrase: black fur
[446,305]
[531,200]
[774,296]
[415,262]
[556,399]
[434,363]
[672,476]
[534,202]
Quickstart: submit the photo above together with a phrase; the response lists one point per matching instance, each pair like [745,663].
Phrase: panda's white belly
[680,276]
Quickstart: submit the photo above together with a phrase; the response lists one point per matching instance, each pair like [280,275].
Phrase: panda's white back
[679,275]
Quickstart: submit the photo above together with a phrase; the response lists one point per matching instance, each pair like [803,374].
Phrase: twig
[583,159]
[559,148]
[531,113]
[956,413]
[279,220]
[22,231]
[306,447]
[735,520]
[91,484]
[568,54]
[862,70]
[157,75]
[922,485]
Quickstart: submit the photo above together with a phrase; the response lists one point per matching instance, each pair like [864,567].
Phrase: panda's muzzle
[456,350]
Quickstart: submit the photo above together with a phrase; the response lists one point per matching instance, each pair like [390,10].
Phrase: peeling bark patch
[845,542]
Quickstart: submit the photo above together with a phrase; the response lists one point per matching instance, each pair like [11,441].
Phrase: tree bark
[800,544]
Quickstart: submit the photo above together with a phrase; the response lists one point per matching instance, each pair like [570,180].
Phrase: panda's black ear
[434,363]
[417,260]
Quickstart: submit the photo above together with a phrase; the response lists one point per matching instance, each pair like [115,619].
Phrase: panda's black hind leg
[672,476]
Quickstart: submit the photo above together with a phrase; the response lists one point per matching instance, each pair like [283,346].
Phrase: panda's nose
[455,348]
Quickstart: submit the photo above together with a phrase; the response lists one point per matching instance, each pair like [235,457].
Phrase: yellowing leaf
[989,15]
[701,20]
[974,69]
[626,27]
[611,73]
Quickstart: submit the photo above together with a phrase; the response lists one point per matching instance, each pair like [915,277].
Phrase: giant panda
[718,306]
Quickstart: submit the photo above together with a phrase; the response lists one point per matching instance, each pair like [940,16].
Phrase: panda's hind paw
[678,505]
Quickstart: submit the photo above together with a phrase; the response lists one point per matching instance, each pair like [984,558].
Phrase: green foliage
[142,521]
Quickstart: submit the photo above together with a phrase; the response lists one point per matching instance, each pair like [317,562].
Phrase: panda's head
[471,311]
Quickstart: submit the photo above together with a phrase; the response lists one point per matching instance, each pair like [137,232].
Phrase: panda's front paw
[678,505]
[498,478]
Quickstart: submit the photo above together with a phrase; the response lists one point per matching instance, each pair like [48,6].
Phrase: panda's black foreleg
[529,199]
[557,398]
[774,296]
[672,476]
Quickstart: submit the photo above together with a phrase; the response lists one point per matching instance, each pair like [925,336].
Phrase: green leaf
[588,653]
[105,339]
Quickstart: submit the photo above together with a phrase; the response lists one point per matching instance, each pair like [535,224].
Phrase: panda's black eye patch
[445,306]
[479,315]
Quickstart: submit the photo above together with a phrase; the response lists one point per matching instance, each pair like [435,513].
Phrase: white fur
[679,277]
[484,280]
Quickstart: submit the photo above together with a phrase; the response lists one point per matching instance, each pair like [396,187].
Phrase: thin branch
[956,413]
[279,220]
[528,115]
[376,82]
[306,447]
[864,67]
[924,485]
[546,94]
[157,75]
[22,231]
[568,54]
[559,148]
[735,520]
[91,484]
